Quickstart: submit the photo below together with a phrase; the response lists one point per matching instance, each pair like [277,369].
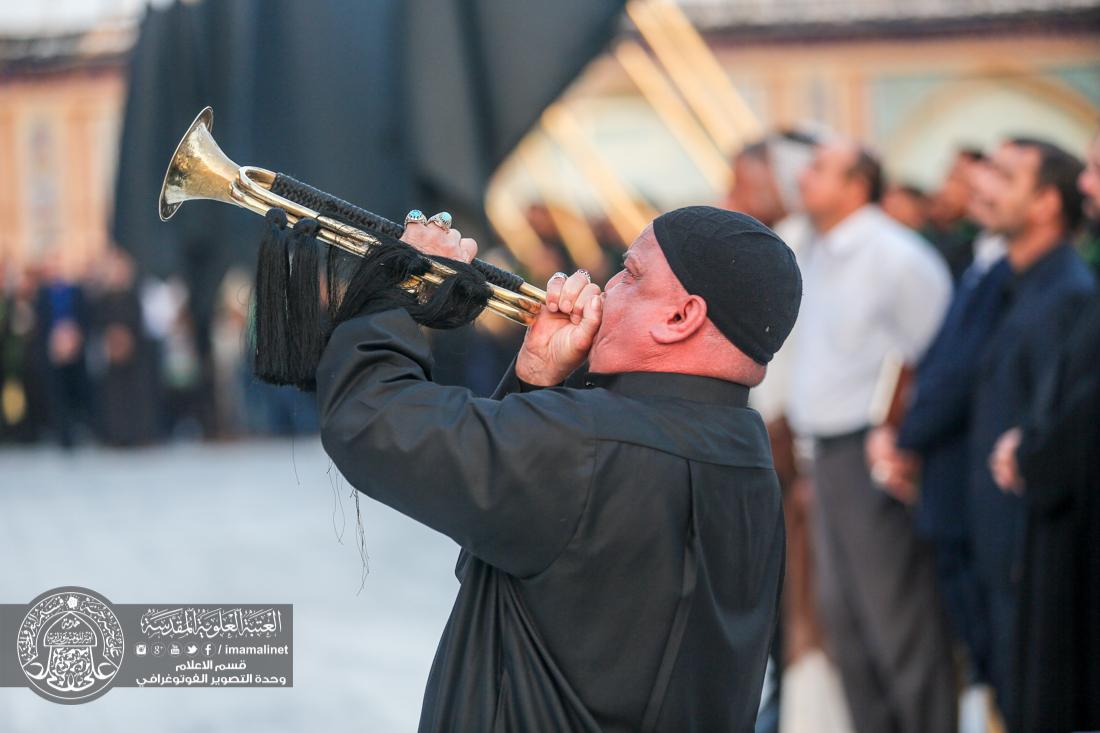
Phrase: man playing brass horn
[622,540]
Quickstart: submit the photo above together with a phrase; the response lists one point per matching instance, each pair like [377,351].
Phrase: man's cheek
[608,323]
[612,314]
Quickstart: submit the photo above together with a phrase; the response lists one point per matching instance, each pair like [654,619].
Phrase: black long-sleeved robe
[1058,654]
[622,544]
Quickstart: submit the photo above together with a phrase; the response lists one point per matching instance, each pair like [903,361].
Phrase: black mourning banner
[389,104]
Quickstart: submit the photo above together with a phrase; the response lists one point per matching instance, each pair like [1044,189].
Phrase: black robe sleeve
[1059,457]
[507,479]
[1057,453]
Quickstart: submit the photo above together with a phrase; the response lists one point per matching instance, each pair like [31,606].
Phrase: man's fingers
[413,233]
[553,290]
[433,240]
[590,323]
[563,294]
[999,469]
[453,239]
[588,293]
[572,289]
[469,249]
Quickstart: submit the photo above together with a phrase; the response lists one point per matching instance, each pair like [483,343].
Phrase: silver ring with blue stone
[415,215]
[441,220]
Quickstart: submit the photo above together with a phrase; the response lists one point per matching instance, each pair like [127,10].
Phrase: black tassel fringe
[305,289]
[303,302]
[269,301]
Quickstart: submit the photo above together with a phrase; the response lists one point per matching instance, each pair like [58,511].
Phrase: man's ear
[682,322]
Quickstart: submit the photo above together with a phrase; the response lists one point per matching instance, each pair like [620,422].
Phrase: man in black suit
[1037,206]
[1051,461]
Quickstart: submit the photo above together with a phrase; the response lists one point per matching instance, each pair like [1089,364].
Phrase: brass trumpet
[200,170]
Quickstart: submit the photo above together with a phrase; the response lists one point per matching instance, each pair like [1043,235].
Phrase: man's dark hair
[913,190]
[1060,170]
[755,151]
[759,149]
[801,137]
[869,169]
[972,155]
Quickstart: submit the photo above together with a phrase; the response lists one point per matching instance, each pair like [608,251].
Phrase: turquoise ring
[441,220]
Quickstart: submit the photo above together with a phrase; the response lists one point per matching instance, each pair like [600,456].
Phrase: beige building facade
[914,88]
[60,116]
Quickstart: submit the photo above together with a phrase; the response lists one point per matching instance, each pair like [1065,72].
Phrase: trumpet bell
[198,169]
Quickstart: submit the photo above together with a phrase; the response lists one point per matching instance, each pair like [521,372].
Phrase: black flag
[388,104]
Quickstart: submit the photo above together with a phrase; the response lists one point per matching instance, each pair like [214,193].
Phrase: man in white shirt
[765,186]
[873,290]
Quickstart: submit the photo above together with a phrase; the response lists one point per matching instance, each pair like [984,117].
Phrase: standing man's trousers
[884,623]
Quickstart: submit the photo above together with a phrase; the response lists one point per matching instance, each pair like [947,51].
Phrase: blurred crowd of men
[935,426]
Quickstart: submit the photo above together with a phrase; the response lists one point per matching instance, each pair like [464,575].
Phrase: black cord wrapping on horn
[329,205]
[326,203]
[304,289]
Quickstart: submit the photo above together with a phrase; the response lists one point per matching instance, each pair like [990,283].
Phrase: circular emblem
[70,645]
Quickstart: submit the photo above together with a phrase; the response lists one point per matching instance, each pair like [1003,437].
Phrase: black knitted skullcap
[747,275]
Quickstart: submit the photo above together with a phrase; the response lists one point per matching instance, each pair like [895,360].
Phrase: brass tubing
[199,169]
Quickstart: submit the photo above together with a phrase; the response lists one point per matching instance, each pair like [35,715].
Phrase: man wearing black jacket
[1051,460]
[1035,204]
[622,542]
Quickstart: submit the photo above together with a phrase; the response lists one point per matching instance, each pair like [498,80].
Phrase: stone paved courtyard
[257,522]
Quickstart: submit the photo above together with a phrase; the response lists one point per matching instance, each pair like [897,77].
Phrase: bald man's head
[651,323]
[703,291]
[842,177]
